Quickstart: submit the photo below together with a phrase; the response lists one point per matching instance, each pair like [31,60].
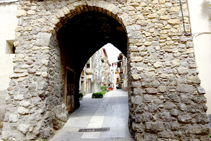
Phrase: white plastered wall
[8,23]
[200,22]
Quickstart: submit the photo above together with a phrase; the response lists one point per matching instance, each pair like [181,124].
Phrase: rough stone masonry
[166,101]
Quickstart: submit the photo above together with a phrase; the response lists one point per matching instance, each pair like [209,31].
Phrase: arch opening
[80,38]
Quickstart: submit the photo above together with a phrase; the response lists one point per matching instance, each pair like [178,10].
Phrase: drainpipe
[183,21]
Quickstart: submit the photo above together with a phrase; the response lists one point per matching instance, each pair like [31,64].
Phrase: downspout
[183,21]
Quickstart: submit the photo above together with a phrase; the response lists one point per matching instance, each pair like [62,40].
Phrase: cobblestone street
[110,113]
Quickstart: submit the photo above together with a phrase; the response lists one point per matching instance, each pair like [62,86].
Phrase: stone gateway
[166,101]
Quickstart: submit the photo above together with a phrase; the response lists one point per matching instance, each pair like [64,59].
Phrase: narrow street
[109,116]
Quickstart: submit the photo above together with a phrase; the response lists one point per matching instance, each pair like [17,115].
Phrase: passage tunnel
[83,35]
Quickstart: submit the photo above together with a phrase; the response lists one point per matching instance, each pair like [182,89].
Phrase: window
[10,49]
[87,65]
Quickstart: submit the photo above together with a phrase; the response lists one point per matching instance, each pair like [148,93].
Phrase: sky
[112,52]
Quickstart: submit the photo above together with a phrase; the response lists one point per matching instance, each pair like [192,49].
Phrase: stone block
[10,88]
[20,13]
[133,27]
[151,90]
[147,43]
[152,108]
[155,43]
[157,127]
[136,99]
[23,128]
[166,134]
[183,88]
[138,127]
[162,1]
[146,117]
[136,84]
[136,76]
[169,105]
[44,74]
[174,21]
[147,98]
[23,111]
[202,119]
[43,39]
[165,17]
[137,91]
[152,16]
[136,58]
[18,97]
[31,12]
[201,90]
[25,103]
[148,126]
[62,116]
[189,44]
[13,118]
[175,9]
[182,70]
[162,89]
[185,119]
[190,50]
[135,35]
[28,28]
[157,64]
[5,135]
[31,71]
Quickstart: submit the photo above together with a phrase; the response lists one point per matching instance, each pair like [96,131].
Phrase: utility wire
[8,2]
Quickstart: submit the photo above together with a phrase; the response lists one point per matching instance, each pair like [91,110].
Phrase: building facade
[123,71]
[91,75]
[106,72]
[120,73]
[166,100]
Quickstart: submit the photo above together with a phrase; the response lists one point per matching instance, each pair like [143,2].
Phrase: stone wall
[166,101]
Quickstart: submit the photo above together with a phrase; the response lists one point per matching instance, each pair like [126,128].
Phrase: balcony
[89,71]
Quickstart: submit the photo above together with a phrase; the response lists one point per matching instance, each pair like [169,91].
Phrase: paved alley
[105,119]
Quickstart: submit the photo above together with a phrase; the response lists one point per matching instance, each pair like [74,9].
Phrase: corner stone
[201,90]
[21,13]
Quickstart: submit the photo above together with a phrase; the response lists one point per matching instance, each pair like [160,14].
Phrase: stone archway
[165,97]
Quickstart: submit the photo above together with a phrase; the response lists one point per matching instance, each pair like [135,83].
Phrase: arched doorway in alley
[81,37]
[78,39]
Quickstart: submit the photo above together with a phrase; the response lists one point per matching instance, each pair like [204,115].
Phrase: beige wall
[7,32]
[199,16]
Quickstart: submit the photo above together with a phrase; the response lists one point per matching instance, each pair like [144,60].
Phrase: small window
[10,49]
[87,65]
